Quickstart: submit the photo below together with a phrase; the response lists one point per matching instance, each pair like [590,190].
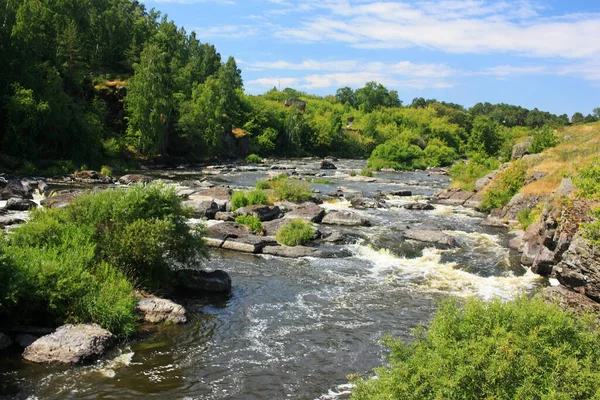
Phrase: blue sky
[543,54]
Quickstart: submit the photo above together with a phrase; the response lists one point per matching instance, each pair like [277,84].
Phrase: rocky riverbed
[297,319]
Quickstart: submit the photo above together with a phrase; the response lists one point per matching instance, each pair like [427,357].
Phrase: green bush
[80,263]
[238,200]
[319,181]
[262,185]
[588,180]
[591,231]
[295,233]
[464,175]
[257,197]
[397,154]
[251,222]
[504,186]
[437,154]
[543,138]
[353,173]
[253,159]
[524,349]
[291,189]
[366,172]
[106,170]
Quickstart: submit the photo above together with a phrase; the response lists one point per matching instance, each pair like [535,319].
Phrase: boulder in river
[8,220]
[71,344]
[19,204]
[262,212]
[90,176]
[14,188]
[135,178]
[419,206]
[224,216]
[361,203]
[290,251]
[400,193]
[59,201]
[155,310]
[205,208]
[5,341]
[430,236]
[307,211]
[346,218]
[201,282]
[327,165]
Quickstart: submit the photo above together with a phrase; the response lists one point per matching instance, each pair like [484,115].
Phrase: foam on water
[428,273]
[336,205]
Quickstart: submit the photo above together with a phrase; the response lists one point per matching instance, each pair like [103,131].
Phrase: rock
[519,202]
[307,211]
[481,183]
[455,197]
[346,218]
[8,220]
[517,243]
[71,344]
[474,201]
[290,252]
[14,188]
[200,282]
[579,268]
[19,204]
[5,341]
[156,310]
[361,203]
[217,192]
[135,178]
[200,209]
[530,243]
[521,149]
[283,167]
[429,236]
[569,300]
[248,244]
[227,230]
[400,193]
[327,165]
[25,339]
[43,188]
[59,201]
[90,176]
[224,216]
[566,187]
[336,193]
[272,227]
[544,262]
[419,206]
[262,212]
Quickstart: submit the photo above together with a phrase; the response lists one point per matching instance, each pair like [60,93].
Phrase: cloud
[463,27]
[227,31]
[271,82]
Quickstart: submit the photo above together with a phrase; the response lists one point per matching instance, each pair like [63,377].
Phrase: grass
[295,233]
[320,181]
[465,174]
[241,199]
[286,188]
[504,186]
[251,222]
[253,159]
[366,172]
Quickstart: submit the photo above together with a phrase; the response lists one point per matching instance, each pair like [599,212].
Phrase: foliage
[397,154]
[366,172]
[591,231]
[504,186]
[520,349]
[295,233]
[241,199]
[291,189]
[588,180]
[528,216]
[251,222]
[257,197]
[486,136]
[543,138]
[253,159]
[319,181]
[106,170]
[465,174]
[238,200]
[353,173]
[262,185]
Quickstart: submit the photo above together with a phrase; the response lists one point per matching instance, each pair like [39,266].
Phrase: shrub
[251,222]
[295,233]
[464,175]
[543,138]
[528,216]
[238,200]
[253,159]
[291,189]
[397,154]
[106,170]
[366,172]
[505,185]
[588,180]
[319,181]
[591,231]
[437,154]
[524,349]
[262,185]
[353,173]
[257,197]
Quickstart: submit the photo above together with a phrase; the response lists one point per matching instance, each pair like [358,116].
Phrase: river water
[296,328]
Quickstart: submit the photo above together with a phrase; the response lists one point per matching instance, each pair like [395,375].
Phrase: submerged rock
[400,193]
[156,310]
[346,218]
[200,282]
[71,344]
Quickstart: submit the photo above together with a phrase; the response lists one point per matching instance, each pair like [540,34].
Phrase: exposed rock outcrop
[14,188]
[155,310]
[307,211]
[521,149]
[458,197]
[569,300]
[59,201]
[419,206]
[579,268]
[71,344]
[202,208]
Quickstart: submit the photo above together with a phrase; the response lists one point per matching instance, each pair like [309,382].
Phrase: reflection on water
[295,328]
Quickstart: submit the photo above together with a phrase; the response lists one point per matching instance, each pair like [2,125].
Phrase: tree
[485,136]
[597,113]
[345,95]
[577,118]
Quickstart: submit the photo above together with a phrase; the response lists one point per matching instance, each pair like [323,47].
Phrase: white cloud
[228,31]
[272,82]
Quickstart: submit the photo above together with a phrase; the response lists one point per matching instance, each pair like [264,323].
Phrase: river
[296,328]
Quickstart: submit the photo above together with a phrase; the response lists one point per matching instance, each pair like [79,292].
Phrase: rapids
[296,328]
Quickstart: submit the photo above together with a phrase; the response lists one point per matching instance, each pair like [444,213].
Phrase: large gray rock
[227,230]
[201,282]
[5,341]
[59,201]
[202,209]
[224,216]
[569,300]
[429,236]
[19,204]
[419,206]
[455,197]
[481,183]
[219,194]
[14,188]
[248,244]
[521,149]
[346,218]
[361,203]
[307,211]
[579,268]
[71,344]
[262,212]
[135,178]
[565,188]
[290,252]
[155,310]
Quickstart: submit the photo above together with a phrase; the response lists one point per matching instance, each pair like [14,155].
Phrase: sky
[543,54]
